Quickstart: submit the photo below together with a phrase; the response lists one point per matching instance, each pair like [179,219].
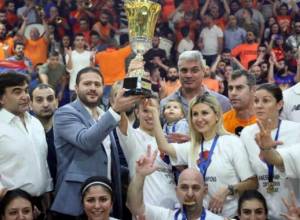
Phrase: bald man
[190,192]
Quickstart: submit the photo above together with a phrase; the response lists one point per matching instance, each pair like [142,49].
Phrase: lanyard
[204,164]
[173,128]
[203,214]
[271,167]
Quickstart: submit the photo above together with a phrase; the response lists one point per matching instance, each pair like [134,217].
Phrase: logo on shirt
[296,108]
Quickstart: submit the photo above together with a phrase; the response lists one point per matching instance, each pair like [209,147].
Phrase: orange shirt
[12,18]
[167,9]
[112,64]
[220,22]
[170,87]
[36,50]
[235,125]
[246,52]
[10,42]
[212,84]
[284,22]
[104,31]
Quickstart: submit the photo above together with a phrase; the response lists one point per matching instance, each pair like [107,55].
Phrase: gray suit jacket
[80,155]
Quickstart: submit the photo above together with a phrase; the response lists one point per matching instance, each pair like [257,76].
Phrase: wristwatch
[231,190]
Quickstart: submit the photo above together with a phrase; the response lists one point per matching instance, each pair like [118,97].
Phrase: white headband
[96,183]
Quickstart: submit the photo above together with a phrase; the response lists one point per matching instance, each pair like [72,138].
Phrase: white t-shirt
[158,213]
[225,168]
[210,39]
[291,107]
[79,61]
[185,45]
[290,134]
[290,156]
[159,187]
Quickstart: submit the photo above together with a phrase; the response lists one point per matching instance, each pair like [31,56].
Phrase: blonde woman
[219,156]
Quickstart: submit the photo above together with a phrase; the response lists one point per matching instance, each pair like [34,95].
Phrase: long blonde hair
[196,137]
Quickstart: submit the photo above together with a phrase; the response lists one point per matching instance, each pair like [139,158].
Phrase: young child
[175,123]
[175,119]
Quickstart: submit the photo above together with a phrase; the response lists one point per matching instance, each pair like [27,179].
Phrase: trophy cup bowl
[142,16]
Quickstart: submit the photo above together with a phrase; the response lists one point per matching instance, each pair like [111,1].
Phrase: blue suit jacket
[80,155]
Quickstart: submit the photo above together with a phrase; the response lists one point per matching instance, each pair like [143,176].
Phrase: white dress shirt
[23,154]
[106,142]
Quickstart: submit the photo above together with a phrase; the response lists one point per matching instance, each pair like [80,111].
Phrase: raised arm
[227,9]
[21,31]
[271,70]
[69,62]
[161,140]
[144,167]
[204,8]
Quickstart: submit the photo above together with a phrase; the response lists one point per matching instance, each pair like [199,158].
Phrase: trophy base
[137,86]
[142,92]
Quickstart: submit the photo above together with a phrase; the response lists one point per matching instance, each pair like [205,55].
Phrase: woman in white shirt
[212,151]
[272,183]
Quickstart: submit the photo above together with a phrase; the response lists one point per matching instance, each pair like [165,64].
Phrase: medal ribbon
[271,167]
[173,128]
[204,163]
[203,214]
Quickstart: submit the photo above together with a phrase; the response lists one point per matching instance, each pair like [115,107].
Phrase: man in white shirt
[190,192]
[77,59]
[23,158]
[211,40]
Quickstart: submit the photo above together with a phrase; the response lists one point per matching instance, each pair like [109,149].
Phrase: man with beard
[22,141]
[247,51]
[241,87]
[19,56]
[6,43]
[172,83]
[157,57]
[190,192]
[103,27]
[85,145]
[44,103]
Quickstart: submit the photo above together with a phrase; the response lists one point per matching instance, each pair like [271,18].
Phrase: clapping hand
[145,165]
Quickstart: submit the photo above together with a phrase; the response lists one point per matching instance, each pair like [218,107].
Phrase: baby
[175,123]
[175,119]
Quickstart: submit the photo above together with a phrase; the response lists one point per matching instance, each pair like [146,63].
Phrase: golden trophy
[142,16]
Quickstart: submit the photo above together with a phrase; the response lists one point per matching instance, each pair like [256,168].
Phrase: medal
[204,163]
[270,187]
